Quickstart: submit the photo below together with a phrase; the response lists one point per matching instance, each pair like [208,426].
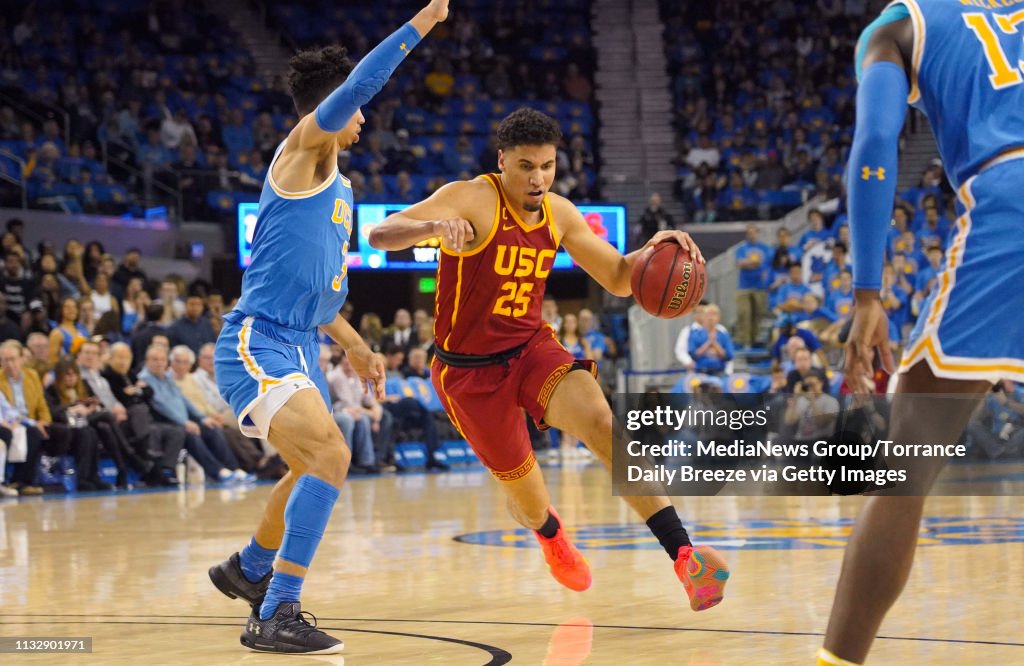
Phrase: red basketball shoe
[566,563]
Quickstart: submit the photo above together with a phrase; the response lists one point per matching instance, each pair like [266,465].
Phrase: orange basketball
[666,281]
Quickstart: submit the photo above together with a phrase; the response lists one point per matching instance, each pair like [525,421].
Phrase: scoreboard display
[607,221]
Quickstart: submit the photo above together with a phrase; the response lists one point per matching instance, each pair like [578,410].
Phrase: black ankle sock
[669,530]
[550,527]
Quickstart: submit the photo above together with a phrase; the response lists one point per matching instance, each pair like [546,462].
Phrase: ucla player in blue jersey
[962,63]
[267,353]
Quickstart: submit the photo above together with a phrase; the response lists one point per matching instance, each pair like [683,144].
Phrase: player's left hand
[439,9]
[675,236]
[869,333]
[369,366]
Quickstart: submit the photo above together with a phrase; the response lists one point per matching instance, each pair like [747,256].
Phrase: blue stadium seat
[425,393]
[400,387]
[457,451]
[411,454]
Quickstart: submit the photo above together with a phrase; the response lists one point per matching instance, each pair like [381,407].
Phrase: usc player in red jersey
[495,356]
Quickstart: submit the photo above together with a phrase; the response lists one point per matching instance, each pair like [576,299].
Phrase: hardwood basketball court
[423,569]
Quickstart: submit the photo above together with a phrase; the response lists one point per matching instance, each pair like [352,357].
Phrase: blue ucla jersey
[298,277]
[968,77]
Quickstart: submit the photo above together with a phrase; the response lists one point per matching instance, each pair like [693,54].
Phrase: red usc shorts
[486,404]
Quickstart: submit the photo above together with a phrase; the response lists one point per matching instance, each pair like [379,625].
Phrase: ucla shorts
[260,365]
[970,326]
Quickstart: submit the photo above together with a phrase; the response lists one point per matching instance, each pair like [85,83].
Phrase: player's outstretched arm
[318,129]
[881,109]
[439,216]
[598,258]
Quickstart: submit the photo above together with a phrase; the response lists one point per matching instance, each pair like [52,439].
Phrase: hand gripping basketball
[668,277]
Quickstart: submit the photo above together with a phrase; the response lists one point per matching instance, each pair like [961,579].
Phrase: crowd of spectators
[795,300]
[101,361]
[160,98]
[764,94]
[808,284]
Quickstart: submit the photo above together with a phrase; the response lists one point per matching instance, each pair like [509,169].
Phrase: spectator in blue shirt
[203,438]
[900,223]
[812,314]
[904,274]
[909,246]
[840,300]
[839,303]
[789,298]
[927,276]
[752,258]
[895,299]
[830,273]
[572,339]
[593,335]
[711,346]
[934,230]
[153,152]
[817,233]
[737,199]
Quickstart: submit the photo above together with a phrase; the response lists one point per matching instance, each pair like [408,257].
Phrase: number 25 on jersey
[516,261]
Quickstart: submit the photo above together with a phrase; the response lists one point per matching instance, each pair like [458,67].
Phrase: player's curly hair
[528,127]
[313,74]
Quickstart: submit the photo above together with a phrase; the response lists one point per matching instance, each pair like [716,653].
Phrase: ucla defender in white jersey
[962,63]
[267,353]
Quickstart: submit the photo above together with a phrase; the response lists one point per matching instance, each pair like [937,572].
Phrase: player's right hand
[868,332]
[439,9]
[455,232]
[370,368]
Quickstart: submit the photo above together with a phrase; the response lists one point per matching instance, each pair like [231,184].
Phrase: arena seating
[773,106]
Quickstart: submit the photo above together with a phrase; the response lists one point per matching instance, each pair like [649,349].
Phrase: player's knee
[331,461]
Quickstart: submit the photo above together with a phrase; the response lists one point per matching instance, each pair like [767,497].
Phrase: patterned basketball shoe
[287,631]
[704,574]
[566,563]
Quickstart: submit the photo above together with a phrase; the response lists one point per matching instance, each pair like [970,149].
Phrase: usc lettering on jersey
[488,299]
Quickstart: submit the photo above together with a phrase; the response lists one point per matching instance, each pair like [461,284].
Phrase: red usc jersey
[488,299]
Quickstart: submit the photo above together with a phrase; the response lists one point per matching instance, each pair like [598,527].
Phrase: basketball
[666,281]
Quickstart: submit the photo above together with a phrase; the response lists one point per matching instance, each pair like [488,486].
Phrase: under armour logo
[866,173]
[254,628]
[404,48]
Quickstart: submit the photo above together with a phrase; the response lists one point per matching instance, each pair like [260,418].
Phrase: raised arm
[598,258]
[441,215]
[317,130]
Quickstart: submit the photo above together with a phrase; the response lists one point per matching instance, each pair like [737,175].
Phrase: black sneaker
[287,631]
[229,579]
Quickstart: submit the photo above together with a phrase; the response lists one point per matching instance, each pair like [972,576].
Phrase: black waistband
[475,361]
